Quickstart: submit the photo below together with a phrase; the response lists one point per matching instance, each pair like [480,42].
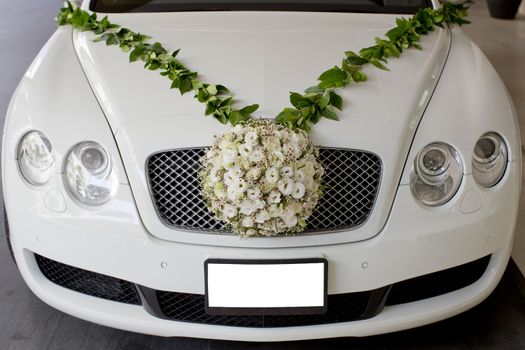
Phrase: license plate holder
[266,287]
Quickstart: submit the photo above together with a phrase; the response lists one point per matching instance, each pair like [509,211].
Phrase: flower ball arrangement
[262,178]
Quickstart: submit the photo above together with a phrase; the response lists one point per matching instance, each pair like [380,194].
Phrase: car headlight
[35,158]
[89,174]
[437,174]
[489,160]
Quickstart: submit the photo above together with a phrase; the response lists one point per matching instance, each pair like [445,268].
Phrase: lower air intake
[87,282]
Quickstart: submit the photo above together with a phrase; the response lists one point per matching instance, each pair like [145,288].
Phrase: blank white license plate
[266,287]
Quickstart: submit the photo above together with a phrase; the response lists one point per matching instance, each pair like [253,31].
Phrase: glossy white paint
[124,238]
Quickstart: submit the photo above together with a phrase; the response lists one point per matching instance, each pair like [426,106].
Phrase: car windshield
[377,6]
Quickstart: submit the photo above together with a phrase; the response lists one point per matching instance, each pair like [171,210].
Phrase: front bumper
[112,241]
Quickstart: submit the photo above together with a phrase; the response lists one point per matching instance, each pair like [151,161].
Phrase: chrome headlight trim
[36,159]
[89,175]
[437,174]
[489,159]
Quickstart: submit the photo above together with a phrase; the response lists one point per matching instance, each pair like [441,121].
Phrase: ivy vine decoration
[321,100]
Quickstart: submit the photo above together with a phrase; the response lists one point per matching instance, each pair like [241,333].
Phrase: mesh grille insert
[351,184]
[341,308]
[87,282]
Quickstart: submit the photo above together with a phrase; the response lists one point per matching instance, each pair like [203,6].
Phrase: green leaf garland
[308,108]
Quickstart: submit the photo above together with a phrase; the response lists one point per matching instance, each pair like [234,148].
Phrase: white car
[106,221]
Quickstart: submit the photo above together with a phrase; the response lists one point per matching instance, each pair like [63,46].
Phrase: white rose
[240,185]
[308,169]
[245,149]
[275,211]
[237,129]
[253,173]
[298,190]
[247,207]
[237,171]
[278,158]
[233,194]
[229,178]
[214,177]
[295,144]
[290,219]
[251,138]
[229,211]
[227,163]
[274,197]
[299,176]
[224,144]
[230,151]
[256,156]
[253,193]
[262,216]
[247,221]
[285,186]
[272,175]
[218,190]
[259,204]
[286,171]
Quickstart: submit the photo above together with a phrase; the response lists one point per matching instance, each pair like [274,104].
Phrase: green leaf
[336,100]
[356,60]
[288,115]
[184,85]
[112,40]
[359,76]
[210,108]
[315,88]
[325,99]
[378,64]
[295,98]
[202,95]
[235,117]
[315,117]
[212,89]
[222,90]
[330,113]
[334,77]
[305,111]
[248,110]
[221,117]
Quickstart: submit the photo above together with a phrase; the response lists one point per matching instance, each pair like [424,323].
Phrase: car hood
[261,57]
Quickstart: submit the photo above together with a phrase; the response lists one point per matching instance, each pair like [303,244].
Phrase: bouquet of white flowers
[262,178]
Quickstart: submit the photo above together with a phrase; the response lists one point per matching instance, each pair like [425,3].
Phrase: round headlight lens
[489,160]
[89,174]
[35,158]
[437,174]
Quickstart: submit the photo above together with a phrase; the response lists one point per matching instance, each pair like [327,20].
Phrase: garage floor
[26,323]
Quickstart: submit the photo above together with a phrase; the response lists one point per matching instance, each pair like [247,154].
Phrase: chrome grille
[351,183]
